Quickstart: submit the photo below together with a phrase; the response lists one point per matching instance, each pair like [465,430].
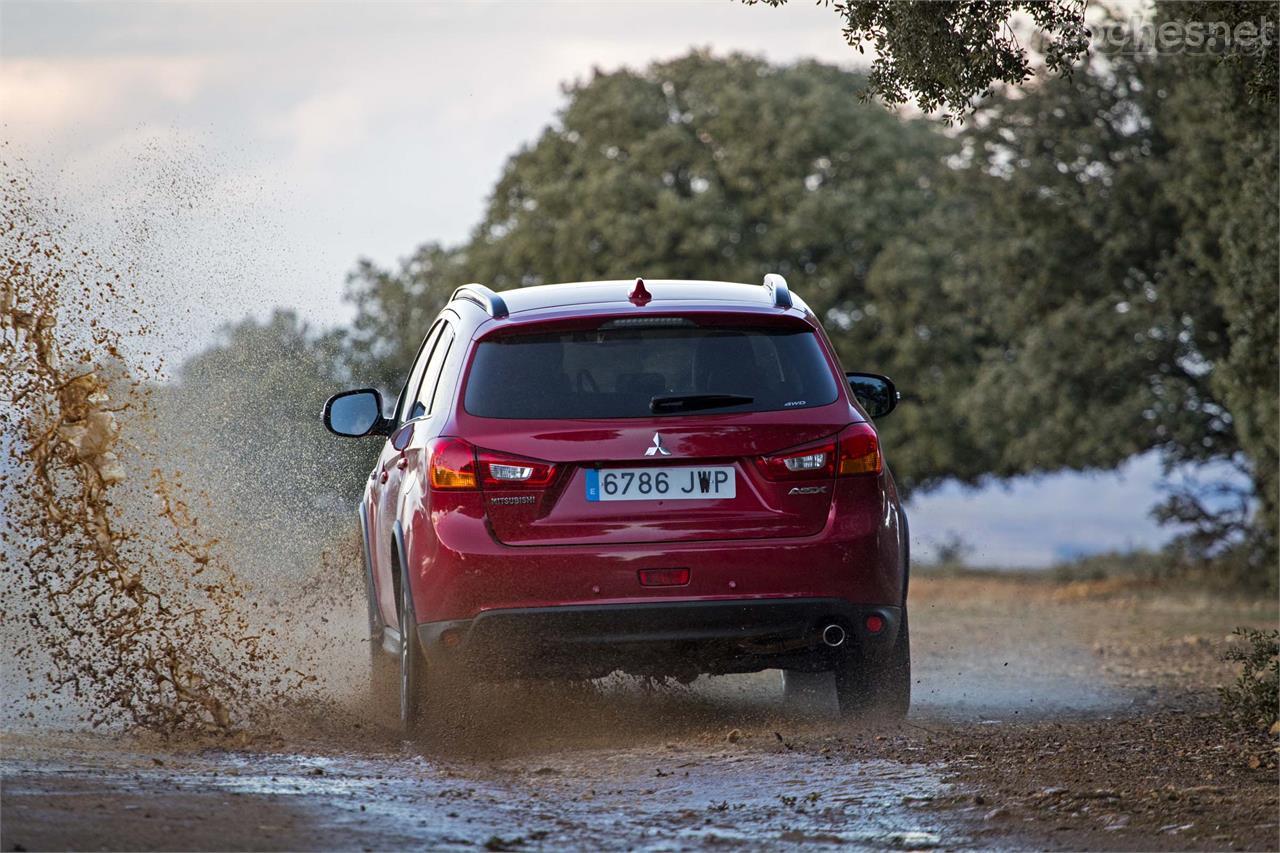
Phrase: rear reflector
[875,624]
[664,577]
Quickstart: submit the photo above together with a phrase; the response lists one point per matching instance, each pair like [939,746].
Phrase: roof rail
[485,298]
[777,286]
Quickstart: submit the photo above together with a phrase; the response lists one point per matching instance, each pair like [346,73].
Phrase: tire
[433,701]
[808,690]
[412,668]
[877,687]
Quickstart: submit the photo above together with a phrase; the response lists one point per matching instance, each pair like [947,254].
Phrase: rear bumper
[457,570]
[682,638]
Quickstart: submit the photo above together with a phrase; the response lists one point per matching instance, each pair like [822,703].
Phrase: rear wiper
[696,402]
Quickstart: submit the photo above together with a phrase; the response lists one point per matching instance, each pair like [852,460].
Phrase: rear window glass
[615,373]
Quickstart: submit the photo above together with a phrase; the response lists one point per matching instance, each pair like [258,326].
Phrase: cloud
[40,98]
[327,123]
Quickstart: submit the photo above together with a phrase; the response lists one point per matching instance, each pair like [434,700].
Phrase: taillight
[859,451]
[815,462]
[499,471]
[451,463]
[855,451]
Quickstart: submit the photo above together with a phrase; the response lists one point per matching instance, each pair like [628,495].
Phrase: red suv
[666,478]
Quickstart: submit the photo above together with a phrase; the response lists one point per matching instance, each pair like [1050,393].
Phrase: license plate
[716,482]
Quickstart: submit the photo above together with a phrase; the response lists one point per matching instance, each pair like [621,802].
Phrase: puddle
[661,798]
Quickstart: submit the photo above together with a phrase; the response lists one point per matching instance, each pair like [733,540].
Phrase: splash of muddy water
[128,607]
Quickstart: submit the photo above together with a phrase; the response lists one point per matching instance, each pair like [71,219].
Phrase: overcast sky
[249,153]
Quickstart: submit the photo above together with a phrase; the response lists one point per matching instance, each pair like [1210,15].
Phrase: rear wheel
[877,686]
[432,699]
[412,669]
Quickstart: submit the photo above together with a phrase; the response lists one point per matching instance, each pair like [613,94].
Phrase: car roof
[662,290]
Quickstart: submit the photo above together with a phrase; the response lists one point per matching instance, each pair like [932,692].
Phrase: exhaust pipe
[833,635]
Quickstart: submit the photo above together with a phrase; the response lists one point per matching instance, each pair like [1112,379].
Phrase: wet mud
[634,798]
[1077,723]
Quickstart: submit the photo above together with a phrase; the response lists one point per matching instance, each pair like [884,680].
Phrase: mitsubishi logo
[657,449]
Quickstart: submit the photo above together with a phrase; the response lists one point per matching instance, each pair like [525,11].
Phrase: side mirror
[877,394]
[356,413]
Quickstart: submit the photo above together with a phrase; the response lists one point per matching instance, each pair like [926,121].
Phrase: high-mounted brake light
[647,323]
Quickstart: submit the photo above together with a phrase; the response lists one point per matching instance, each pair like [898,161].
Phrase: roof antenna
[640,296]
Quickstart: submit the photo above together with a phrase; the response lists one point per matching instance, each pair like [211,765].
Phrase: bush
[1253,701]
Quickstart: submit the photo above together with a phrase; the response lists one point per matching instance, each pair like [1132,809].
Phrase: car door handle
[383,478]
[403,463]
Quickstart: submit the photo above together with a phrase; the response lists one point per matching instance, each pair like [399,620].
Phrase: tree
[952,55]
[947,55]
[1098,280]
[394,309]
[1037,313]
[1223,178]
[712,168]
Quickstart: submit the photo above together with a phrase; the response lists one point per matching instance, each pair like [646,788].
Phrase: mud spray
[118,599]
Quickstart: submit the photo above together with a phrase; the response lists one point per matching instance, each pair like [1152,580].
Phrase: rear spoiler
[496,307]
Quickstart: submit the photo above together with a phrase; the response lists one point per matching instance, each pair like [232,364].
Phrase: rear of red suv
[666,478]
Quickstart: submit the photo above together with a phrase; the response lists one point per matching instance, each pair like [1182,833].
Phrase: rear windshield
[616,373]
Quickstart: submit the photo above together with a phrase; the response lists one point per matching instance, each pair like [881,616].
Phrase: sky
[251,152]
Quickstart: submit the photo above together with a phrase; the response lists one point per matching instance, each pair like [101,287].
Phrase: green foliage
[1100,280]
[1252,72]
[946,55]
[1223,179]
[722,169]
[1031,307]
[1253,700]
[710,168]
[394,309]
[952,55]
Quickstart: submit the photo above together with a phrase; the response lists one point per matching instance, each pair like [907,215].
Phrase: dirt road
[1045,716]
